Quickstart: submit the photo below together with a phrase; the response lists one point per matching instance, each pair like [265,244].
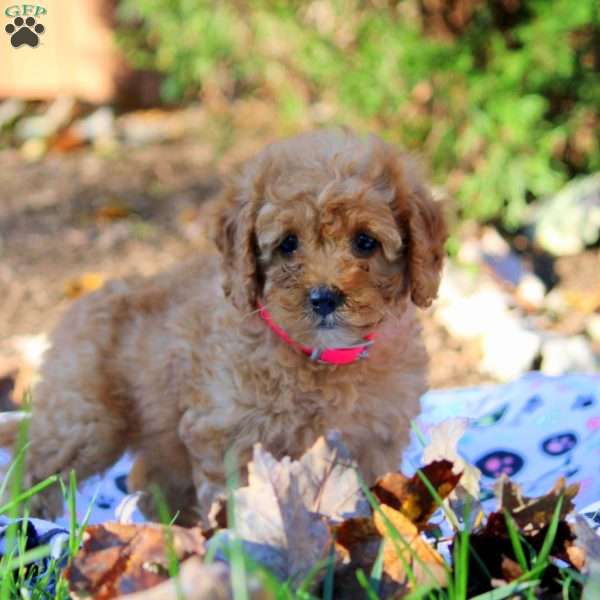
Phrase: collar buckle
[315,355]
[363,346]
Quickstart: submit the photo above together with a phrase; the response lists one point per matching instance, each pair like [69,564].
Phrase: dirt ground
[75,213]
[135,211]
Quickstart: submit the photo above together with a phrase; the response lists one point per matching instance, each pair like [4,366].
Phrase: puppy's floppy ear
[232,229]
[424,228]
[426,240]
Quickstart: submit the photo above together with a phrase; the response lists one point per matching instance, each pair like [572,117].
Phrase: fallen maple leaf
[444,446]
[411,551]
[588,559]
[510,569]
[358,543]
[588,540]
[491,544]
[328,480]
[282,515]
[273,522]
[411,496]
[88,282]
[195,581]
[198,581]
[118,559]
[533,514]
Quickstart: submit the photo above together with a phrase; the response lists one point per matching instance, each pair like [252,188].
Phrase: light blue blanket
[534,430]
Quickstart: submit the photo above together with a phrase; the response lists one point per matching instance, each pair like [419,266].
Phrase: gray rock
[479,309]
[58,115]
[556,303]
[569,221]
[567,355]
[531,290]
[506,267]
[100,125]
[509,347]
[466,304]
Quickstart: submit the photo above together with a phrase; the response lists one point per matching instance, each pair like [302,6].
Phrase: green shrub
[501,100]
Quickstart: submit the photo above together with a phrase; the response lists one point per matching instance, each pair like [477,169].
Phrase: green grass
[501,105]
[20,578]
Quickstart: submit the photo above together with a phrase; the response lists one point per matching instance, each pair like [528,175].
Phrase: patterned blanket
[535,430]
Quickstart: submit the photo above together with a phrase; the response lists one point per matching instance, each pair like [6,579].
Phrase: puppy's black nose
[325,300]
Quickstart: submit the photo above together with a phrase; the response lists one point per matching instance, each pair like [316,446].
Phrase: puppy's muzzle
[325,300]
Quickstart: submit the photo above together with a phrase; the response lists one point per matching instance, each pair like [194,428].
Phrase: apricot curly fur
[179,368]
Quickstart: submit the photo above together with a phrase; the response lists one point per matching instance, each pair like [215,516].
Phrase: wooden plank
[76,56]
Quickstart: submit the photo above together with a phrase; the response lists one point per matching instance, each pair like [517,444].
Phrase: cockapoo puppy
[299,320]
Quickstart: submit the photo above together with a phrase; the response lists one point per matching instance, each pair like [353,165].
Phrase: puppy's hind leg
[79,411]
[90,442]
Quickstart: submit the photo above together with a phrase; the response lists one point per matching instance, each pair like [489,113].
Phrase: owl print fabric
[534,430]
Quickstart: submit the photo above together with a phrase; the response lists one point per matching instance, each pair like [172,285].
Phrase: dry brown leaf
[492,546]
[282,514]
[328,480]
[412,550]
[113,209]
[411,496]
[577,557]
[88,282]
[189,215]
[533,514]
[357,542]
[443,445]
[118,559]
[510,569]
[66,140]
[198,581]
[277,529]
[588,542]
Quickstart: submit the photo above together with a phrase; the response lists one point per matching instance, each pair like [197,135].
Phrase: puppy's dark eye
[363,244]
[288,245]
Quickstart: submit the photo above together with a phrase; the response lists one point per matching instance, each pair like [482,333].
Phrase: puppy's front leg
[163,462]
[208,434]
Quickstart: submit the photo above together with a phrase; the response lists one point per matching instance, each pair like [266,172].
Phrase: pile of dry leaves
[313,524]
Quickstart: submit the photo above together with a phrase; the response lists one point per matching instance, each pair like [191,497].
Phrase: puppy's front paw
[207,437]
[186,513]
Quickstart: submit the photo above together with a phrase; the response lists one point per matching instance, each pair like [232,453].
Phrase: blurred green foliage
[501,96]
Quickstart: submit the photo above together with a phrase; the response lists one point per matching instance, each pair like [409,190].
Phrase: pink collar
[330,356]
